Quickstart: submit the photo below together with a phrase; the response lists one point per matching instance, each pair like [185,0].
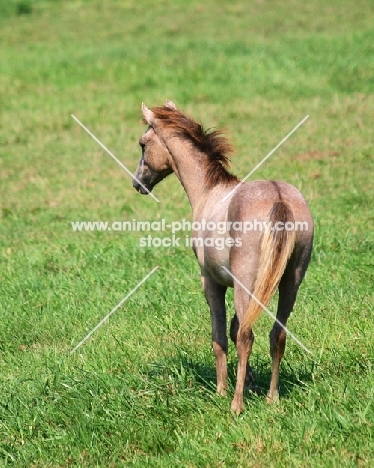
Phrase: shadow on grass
[185,372]
[291,375]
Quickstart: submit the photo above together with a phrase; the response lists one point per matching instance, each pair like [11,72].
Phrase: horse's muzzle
[141,188]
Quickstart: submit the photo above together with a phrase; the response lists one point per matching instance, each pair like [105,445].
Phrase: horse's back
[254,201]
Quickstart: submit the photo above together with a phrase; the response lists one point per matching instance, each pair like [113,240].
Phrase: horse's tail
[276,248]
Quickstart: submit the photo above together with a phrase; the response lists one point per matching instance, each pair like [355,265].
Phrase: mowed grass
[141,391]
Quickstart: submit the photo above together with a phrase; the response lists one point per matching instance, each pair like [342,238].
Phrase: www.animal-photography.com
[186,233]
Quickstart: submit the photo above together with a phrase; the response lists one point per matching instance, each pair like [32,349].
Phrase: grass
[141,391]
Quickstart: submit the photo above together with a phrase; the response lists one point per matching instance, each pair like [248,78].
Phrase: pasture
[141,391]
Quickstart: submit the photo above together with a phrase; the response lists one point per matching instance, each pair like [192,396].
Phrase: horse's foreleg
[215,296]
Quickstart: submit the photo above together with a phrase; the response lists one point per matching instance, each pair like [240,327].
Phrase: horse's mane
[212,143]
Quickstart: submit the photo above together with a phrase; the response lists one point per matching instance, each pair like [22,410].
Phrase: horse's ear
[147,114]
[171,105]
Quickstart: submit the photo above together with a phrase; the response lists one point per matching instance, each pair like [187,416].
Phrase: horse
[254,262]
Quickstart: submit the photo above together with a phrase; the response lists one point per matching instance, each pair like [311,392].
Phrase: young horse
[261,260]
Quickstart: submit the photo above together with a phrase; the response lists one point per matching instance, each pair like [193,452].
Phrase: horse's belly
[213,254]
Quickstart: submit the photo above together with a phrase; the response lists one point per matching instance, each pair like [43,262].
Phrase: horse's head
[156,162]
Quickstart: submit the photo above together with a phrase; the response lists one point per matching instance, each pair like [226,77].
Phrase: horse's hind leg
[249,379]
[244,344]
[288,288]
[215,296]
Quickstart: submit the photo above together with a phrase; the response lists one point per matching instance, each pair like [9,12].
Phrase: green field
[141,391]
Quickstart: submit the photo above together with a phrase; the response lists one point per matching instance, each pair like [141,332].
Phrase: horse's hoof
[253,388]
[222,391]
[272,397]
[237,407]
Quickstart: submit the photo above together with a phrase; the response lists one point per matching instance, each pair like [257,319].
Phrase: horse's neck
[189,168]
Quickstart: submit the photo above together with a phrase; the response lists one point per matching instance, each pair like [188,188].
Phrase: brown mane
[212,143]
